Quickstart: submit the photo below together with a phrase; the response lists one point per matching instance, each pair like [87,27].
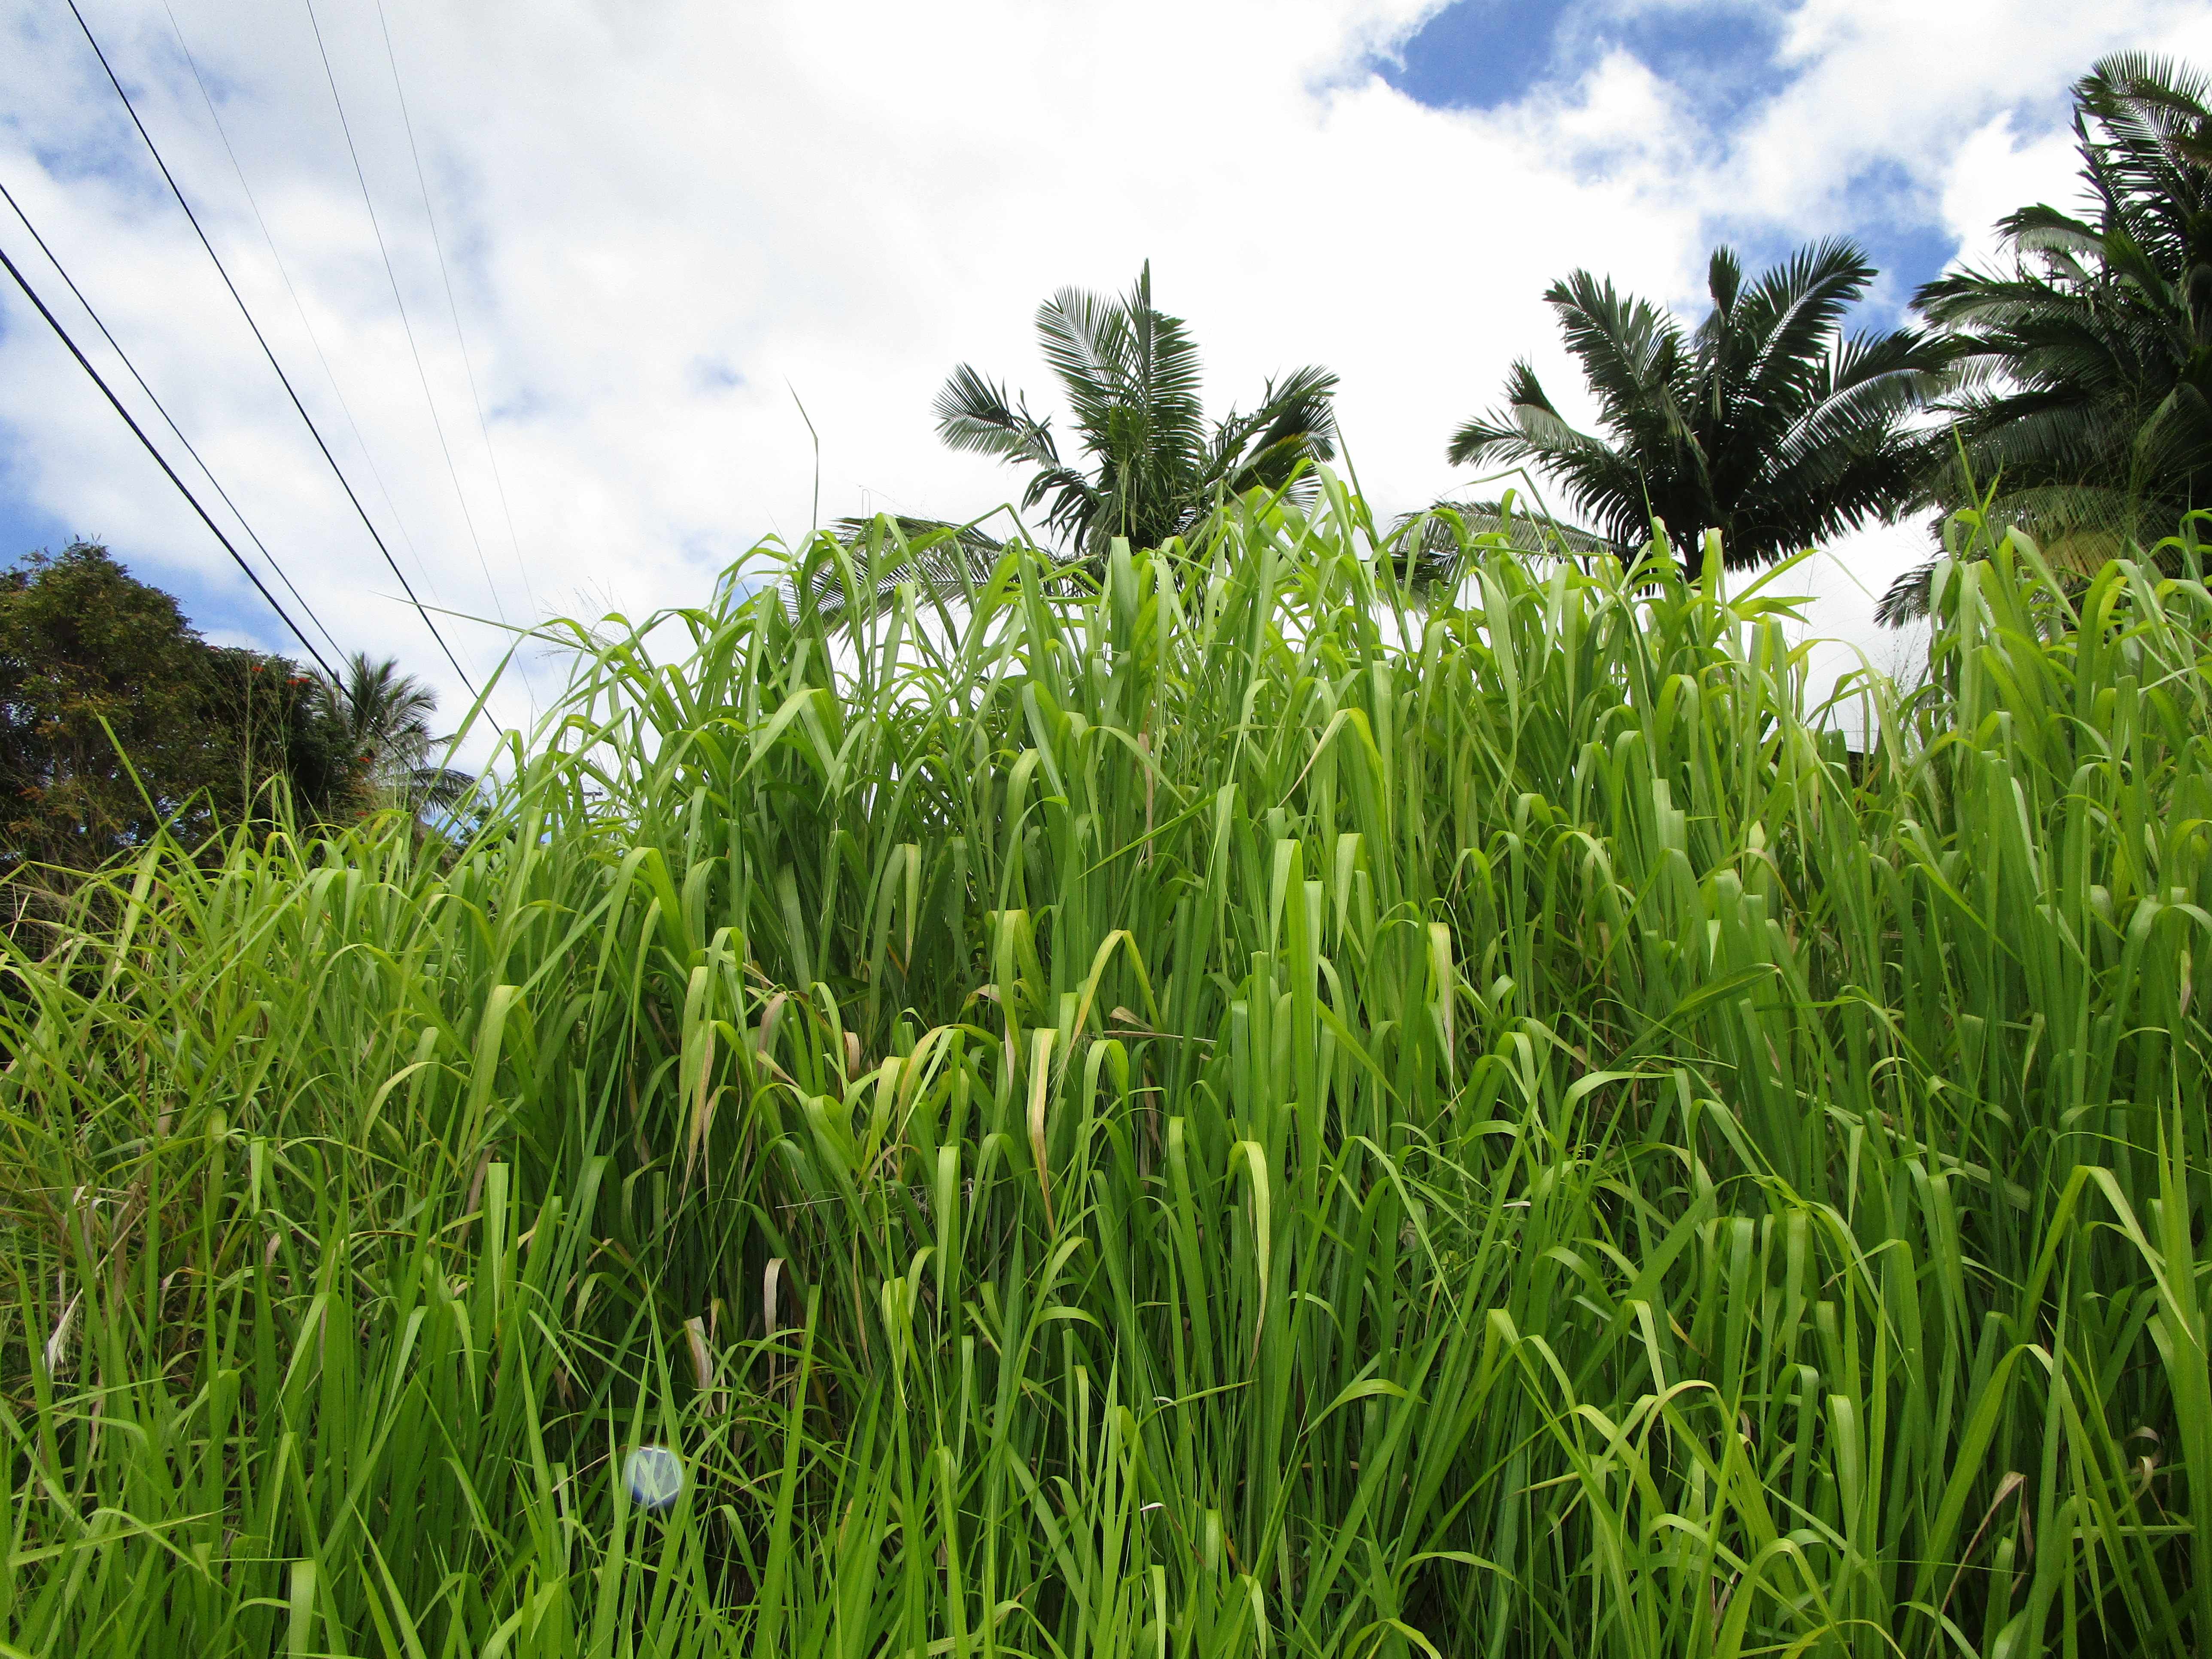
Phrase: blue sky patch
[1481,54]
[218,608]
[1723,59]
[1902,234]
[24,528]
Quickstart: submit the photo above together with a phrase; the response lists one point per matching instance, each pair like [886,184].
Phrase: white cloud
[662,221]
[1998,169]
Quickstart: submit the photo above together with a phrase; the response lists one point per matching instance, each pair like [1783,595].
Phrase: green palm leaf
[2082,381]
[1150,466]
[1763,422]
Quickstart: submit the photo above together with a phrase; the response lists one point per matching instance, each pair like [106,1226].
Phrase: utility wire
[345,127]
[154,150]
[139,432]
[61,270]
[453,306]
[306,323]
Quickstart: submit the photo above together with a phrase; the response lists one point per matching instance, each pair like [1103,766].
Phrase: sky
[588,299]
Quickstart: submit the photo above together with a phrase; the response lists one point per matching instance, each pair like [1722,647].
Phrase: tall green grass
[1236,1115]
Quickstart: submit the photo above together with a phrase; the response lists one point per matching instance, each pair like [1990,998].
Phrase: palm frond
[974,414]
[2077,376]
[1905,599]
[1150,466]
[1723,280]
[1762,423]
[1631,353]
[439,788]
[945,561]
[1431,545]
[1792,315]
[1529,429]
[1295,423]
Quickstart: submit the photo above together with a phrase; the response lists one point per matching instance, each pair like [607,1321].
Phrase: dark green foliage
[94,665]
[1764,422]
[118,721]
[2085,362]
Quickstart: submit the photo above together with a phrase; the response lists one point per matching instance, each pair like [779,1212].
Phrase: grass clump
[1217,1115]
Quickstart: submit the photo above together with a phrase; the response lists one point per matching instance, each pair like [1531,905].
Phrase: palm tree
[1764,422]
[1149,465]
[1431,543]
[2084,406]
[944,559]
[379,719]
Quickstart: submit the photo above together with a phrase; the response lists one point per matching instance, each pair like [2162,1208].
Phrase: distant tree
[1147,464]
[1150,464]
[95,665]
[262,717]
[1430,552]
[2085,390]
[378,719]
[1764,422]
[945,559]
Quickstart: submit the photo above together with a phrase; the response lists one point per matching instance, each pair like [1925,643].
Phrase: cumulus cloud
[668,227]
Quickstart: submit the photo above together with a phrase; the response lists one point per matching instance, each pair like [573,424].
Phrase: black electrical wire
[276,258]
[61,270]
[408,327]
[153,149]
[453,307]
[84,362]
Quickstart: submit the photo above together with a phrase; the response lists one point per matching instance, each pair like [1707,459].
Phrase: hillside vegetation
[1225,1113]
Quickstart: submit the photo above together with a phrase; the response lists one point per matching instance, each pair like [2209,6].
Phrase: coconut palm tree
[1147,465]
[379,720]
[2084,404]
[1764,422]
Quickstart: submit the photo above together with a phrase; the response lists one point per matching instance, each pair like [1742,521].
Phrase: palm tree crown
[1151,465]
[1764,422]
[2084,395]
[379,720]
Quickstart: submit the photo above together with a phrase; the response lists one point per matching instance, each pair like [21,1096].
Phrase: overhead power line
[452,305]
[392,276]
[61,270]
[154,150]
[299,306]
[183,489]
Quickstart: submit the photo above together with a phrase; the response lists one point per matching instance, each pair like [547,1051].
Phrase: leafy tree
[379,719]
[1149,465]
[262,716]
[1764,422]
[95,665]
[2084,404]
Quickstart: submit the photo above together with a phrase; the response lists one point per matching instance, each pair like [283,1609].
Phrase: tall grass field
[1210,1106]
